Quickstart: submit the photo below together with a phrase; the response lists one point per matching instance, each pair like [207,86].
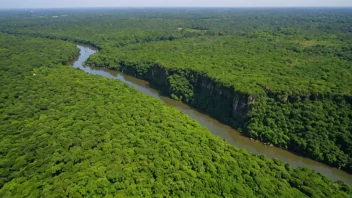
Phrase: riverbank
[232,136]
[313,125]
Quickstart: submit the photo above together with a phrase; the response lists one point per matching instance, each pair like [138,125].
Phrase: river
[232,136]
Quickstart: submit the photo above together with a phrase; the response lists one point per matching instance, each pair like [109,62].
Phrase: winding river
[232,136]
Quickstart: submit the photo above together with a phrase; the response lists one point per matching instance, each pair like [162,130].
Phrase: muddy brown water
[232,136]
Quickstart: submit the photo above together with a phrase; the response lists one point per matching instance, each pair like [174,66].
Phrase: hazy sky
[171,3]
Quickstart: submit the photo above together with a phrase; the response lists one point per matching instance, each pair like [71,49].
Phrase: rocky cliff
[219,101]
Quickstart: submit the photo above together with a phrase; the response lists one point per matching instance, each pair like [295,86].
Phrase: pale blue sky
[170,3]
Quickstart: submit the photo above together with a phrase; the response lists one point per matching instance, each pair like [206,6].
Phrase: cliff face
[280,119]
[224,103]
[200,91]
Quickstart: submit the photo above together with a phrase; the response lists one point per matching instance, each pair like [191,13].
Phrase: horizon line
[141,7]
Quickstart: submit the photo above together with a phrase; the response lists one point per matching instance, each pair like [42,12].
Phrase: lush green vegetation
[320,129]
[117,27]
[251,66]
[311,113]
[298,57]
[300,75]
[68,133]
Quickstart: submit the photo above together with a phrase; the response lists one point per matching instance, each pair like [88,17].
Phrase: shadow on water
[232,136]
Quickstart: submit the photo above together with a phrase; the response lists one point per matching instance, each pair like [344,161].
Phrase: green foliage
[180,87]
[251,66]
[297,66]
[66,133]
[320,129]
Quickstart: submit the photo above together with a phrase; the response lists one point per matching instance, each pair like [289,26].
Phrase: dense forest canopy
[301,60]
[252,66]
[68,133]
[114,27]
[291,51]
[298,57]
